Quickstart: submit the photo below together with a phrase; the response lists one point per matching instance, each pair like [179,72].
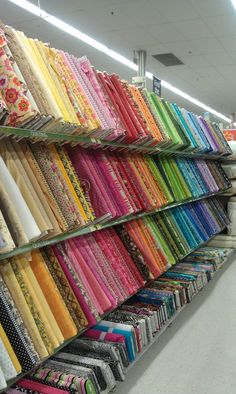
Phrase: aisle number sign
[157,86]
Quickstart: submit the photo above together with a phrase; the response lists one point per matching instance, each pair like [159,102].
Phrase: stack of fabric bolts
[101,357]
[49,90]
[48,189]
[54,293]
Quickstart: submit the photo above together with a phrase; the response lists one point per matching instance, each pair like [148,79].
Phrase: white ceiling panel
[229,42]
[228,72]
[220,58]
[212,7]
[183,48]
[206,45]
[175,10]
[193,29]
[222,25]
[195,61]
[165,33]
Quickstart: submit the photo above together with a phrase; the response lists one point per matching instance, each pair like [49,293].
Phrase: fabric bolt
[12,90]
[75,202]
[61,380]
[29,225]
[41,388]
[10,351]
[6,241]
[51,328]
[60,223]
[21,303]
[91,280]
[107,300]
[70,298]
[27,291]
[18,173]
[51,173]
[53,228]
[7,366]
[76,285]
[18,156]
[95,244]
[52,295]
[21,326]
[89,214]
[12,218]
[3,383]
[79,266]
[15,336]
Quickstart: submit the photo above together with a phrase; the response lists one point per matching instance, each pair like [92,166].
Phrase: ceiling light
[109,52]
[234,3]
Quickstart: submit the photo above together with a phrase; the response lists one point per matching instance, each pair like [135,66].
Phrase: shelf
[37,135]
[98,224]
[13,381]
[170,321]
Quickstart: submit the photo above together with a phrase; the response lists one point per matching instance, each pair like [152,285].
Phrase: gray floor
[197,354]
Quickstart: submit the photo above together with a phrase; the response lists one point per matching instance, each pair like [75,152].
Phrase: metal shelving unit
[98,224]
[140,355]
[37,135]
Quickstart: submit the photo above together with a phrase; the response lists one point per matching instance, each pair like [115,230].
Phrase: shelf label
[38,134]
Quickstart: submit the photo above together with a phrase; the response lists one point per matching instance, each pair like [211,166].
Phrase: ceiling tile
[145,13]
[229,43]
[223,25]
[164,33]
[212,7]
[157,48]
[207,45]
[232,54]
[187,75]
[207,72]
[182,48]
[195,60]
[228,72]
[219,58]
[175,10]
[193,29]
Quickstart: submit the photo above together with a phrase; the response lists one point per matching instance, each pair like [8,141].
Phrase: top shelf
[95,143]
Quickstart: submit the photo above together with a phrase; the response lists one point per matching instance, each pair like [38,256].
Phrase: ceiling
[201,33]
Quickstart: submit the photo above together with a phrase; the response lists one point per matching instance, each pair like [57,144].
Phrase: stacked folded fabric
[48,189]
[100,358]
[53,294]
[46,89]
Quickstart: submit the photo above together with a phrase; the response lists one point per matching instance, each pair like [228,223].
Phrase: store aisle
[197,354]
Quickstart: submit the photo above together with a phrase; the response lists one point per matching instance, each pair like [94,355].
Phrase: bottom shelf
[13,381]
[170,321]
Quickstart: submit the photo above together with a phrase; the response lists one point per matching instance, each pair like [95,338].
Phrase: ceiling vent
[168,59]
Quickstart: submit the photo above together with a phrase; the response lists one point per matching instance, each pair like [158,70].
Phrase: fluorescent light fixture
[26,5]
[234,3]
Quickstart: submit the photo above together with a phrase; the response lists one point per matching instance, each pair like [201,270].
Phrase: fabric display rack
[108,195]
[228,238]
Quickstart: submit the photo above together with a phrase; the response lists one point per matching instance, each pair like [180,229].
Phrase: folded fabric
[230,170]
[224,241]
